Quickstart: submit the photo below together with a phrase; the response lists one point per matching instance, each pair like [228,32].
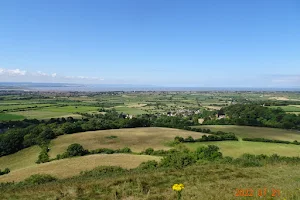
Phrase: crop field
[138,139]
[130,110]
[290,108]
[73,166]
[256,132]
[237,148]
[20,159]
[37,114]
[7,117]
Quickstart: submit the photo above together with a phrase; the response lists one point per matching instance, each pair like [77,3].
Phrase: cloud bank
[18,75]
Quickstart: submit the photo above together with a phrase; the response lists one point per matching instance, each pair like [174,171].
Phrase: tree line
[26,133]
[256,115]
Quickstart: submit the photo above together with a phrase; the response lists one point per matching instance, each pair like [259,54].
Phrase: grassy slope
[73,166]
[138,139]
[209,182]
[256,132]
[237,148]
[21,159]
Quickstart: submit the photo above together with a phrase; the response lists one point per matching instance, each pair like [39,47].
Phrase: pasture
[208,182]
[8,117]
[20,159]
[256,132]
[138,139]
[237,148]
[73,166]
[289,108]
[130,110]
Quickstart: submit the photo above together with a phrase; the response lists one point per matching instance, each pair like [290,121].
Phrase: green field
[237,148]
[55,112]
[7,117]
[21,159]
[38,114]
[130,111]
[289,108]
[256,132]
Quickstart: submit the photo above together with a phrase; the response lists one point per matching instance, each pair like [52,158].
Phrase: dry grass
[138,139]
[207,182]
[279,98]
[73,166]
[213,107]
[21,159]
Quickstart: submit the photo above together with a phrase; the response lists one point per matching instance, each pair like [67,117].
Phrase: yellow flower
[178,187]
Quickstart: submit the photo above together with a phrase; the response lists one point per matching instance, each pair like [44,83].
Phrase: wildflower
[178,188]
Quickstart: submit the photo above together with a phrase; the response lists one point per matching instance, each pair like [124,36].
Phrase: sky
[233,43]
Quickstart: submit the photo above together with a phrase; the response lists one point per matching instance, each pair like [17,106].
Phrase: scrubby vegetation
[271,141]
[5,171]
[78,150]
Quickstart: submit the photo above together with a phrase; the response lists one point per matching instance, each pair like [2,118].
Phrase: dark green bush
[38,179]
[151,164]
[5,171]
[178,160]
[208,153]
[148,151]
[75,150]
[43,156]
[103,171]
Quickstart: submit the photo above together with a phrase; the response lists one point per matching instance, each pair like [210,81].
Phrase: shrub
[151,164]
[178,160]
[38,179]
[75,150]
[103,171]
[43,156]
[5,171]
[111,137]
[103,150]
[208,153]
[148,151]
[125,150]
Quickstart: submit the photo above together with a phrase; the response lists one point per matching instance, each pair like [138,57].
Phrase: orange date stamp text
[263,192]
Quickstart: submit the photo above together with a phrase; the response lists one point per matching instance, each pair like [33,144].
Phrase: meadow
[238,148]
[256,132]
[204,180]
[289,108]
[137,139]
[209,182]
[73,166]
[8,117]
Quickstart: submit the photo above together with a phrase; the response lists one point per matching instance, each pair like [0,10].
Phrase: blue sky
[253,43]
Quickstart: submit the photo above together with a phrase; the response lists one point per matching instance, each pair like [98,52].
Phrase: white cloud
[39,76]
[12,72]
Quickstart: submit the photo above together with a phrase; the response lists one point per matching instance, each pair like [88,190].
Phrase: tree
[75,150]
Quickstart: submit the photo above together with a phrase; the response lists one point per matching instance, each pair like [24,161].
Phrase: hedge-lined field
[237,148]
[137,139]
[255,132]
